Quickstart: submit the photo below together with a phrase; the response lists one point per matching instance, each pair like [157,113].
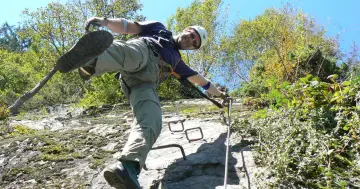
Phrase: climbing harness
[229,101]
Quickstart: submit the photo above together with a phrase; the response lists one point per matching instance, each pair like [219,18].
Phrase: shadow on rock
[205,169]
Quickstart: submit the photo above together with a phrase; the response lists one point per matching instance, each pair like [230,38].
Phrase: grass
[22,130]
[188,109]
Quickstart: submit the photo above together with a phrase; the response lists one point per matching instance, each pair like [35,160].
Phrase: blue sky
[338,17]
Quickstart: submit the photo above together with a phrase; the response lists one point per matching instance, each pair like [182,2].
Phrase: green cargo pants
[139,71]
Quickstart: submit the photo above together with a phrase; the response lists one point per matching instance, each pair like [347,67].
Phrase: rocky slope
[67,147]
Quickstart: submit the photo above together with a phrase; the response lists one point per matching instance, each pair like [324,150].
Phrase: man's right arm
[194,77]
[123,26]
[202,81]
[118,25]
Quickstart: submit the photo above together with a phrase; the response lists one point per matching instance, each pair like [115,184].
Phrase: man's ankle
[87,71]
[131,166]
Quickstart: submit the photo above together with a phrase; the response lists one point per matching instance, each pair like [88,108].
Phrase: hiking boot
[123,175]
[88,47]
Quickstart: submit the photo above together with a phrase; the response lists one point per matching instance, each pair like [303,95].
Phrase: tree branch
[28,95]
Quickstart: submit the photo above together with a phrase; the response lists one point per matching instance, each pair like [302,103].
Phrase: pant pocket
[148,74]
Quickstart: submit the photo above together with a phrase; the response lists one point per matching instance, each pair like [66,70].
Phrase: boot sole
[119,182]
[88,47]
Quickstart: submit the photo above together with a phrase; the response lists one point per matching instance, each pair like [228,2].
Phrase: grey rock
[204,167]
[110,146]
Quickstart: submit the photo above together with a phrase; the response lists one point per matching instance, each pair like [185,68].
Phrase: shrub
[4,111]
[104,89]
[21,130]
[313,139]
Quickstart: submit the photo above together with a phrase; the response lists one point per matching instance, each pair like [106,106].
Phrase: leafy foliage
[104,89]
[282,43]
[58,26]
[4,111]
[52,30]
[308,123]
[10,40]
[20,72]
[351,67]
[21,130]
[312,138]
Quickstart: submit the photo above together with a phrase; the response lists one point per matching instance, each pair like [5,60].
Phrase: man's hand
[224,96]
[95,21]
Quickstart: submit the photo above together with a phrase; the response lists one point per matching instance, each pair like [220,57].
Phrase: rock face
[72,150]
[204,166]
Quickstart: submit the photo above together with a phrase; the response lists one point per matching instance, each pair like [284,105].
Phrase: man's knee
[130,56]
[148,116]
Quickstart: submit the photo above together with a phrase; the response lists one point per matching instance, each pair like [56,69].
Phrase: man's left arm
[207,85]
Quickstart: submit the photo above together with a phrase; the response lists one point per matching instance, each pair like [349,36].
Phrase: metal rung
[168,146]
[195,139]
[175,122]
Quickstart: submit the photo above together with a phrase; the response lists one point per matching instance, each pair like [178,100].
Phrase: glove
[95,21]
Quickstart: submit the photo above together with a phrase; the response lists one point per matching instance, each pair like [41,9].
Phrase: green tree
[211,15]
[10,40]
[20,71]
[56,27]
[284,43]
[351,67]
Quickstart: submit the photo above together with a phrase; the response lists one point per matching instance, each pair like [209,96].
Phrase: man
[143,63]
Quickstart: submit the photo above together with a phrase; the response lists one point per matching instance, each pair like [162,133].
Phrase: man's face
[189,39]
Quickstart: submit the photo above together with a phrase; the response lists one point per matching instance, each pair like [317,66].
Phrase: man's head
[192,37]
